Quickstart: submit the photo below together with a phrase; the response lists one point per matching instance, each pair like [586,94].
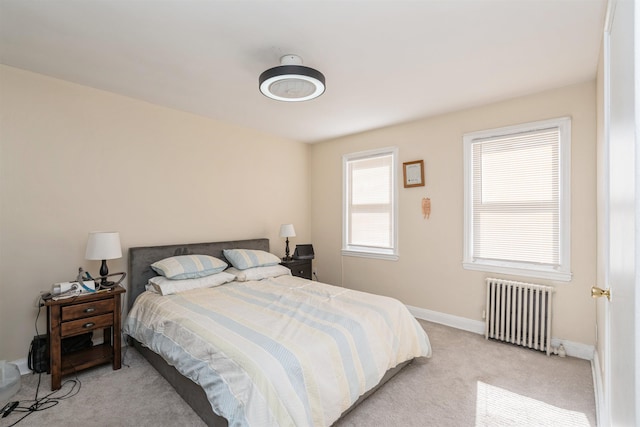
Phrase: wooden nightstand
[299,267]
[68,317]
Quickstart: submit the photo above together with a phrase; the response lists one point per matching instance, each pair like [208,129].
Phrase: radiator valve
[561,351]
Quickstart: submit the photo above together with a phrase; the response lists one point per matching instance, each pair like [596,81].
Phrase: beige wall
[429,273]
[74,159]
[166,176]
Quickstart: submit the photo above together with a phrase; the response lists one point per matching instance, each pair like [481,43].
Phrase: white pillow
[166,286]
[258,273]
[188,266]
[247,258]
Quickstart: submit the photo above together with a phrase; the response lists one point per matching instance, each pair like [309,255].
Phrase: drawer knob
[89,310]
[88,325]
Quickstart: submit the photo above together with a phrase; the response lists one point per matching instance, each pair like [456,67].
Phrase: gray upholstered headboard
[141,258]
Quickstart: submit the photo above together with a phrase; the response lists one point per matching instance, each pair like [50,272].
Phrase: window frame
[562,272]
[368,251]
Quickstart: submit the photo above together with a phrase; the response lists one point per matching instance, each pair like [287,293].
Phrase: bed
[245,366]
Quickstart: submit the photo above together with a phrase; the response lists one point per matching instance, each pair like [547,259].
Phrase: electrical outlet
[38,302]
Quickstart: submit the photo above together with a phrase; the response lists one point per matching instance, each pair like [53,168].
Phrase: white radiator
[519,313]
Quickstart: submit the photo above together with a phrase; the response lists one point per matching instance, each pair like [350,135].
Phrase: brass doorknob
[596,292]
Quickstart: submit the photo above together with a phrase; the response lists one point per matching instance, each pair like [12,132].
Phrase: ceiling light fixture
[291,81]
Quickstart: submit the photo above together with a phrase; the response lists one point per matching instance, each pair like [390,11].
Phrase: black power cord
[46,402]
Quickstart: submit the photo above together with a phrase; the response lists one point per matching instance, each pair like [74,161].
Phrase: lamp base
[106,284]
[286,251]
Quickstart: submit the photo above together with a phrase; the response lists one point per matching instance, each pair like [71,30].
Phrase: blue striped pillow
[188,266]
[247,258]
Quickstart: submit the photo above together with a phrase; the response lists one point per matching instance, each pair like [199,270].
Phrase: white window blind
[516,203]
[369,203]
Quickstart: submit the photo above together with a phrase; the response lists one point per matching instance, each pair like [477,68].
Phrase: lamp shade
[103,245]
[287,230]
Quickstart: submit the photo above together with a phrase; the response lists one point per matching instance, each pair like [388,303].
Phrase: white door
[621,356]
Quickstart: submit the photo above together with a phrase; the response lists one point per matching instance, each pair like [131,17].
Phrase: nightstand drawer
[303,270]
[78,311]
[299,267]
[87,324]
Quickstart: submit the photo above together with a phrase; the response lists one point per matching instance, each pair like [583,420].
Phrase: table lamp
[102,246]
[287,230]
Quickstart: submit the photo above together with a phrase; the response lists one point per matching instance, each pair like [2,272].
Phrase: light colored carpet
[468,382]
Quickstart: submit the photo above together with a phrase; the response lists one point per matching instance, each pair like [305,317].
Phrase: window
[369,204]
[517,200]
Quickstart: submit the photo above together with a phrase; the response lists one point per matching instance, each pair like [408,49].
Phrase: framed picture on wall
[413,173]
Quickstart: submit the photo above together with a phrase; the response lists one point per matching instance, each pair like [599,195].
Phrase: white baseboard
[448,320]
[573,349]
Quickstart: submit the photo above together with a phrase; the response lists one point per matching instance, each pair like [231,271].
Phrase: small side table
[78,315]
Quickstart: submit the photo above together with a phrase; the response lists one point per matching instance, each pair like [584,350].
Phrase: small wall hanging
[426,207]
[413,173]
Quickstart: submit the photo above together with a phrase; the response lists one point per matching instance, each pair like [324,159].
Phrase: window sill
[375,255]
[548,274]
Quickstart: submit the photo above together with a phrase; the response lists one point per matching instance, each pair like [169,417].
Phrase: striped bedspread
[279,352]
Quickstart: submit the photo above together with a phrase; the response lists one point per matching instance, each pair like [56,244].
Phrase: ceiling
[385,62]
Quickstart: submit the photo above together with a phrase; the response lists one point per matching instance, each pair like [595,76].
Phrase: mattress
[278,352]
